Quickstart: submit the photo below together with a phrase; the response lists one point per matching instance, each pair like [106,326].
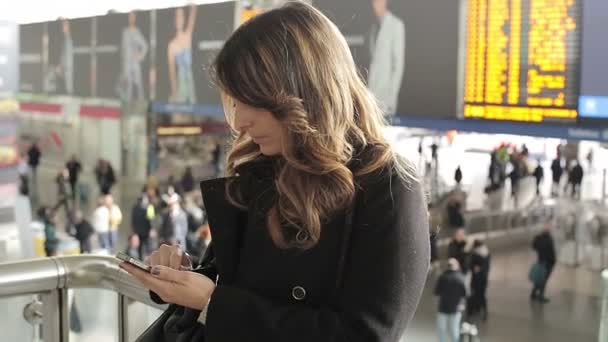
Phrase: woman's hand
[184,288]
[170,256]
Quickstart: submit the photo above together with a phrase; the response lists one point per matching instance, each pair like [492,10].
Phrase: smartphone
[137,263]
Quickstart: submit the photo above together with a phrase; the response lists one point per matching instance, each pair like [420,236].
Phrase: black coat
[457,250]
[33,156]
[139,220]
[479,280]
[557,170]
[268,294]
[84,230]
[452,291]
[545,248]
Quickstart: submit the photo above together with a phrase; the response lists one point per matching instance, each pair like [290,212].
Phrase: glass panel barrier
[13,325]
[93,315]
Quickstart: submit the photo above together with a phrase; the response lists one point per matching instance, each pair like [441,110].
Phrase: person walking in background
[515,175]
[105,176]
[74,168]
[187,181]
[451,290]
[576,179]
[134,247]
[454,207]
[23,170]
[545,250]
[174,228]
[556,172]
[83,232]
[62,195]
[387,52]
[216,159]
[539,174]
[141,221]
[101,223]
[458,176]
[480,268]
[457,249]
[33,159]
[115,220]
[51,241]
[434,226]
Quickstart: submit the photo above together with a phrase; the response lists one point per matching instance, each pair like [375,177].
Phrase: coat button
[302,236]
[298,293]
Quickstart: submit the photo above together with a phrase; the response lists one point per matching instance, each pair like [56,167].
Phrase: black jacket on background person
[545,248]
[452,291]
[139,220]
[265,293]
[33,156]
[457,250]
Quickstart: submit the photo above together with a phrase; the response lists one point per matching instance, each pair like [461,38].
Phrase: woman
[480,266]
[308,158]
[51,240]
[179,53]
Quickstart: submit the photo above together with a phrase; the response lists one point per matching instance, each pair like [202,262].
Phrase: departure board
[523,60]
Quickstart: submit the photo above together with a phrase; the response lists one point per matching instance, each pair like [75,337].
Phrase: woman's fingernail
[155,271]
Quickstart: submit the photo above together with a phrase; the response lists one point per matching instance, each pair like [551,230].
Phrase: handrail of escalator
[69,272]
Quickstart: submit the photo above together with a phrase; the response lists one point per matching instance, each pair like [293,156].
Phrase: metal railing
[52,277]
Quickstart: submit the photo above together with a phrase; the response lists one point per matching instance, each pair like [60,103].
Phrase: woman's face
[261,125]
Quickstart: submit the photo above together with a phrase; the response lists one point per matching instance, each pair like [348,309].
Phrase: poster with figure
[123,45]
[31,68]
[9,57]
[59,76]
[82,37]
[387,56]
[187,40]
[407,51]
[175,27]
[217,22]
[70,52]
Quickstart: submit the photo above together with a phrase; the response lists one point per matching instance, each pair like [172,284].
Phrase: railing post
[55,324]
[123,318]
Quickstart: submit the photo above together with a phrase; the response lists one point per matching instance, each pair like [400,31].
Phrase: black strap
[348,228]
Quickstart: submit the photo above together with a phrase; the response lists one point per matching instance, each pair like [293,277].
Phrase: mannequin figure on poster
[64,70]
[134,49]
[387,49]
[179,55]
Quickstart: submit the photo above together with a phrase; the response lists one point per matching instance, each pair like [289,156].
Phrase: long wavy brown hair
[294,62]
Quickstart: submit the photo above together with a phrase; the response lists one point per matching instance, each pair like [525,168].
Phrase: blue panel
[593,107]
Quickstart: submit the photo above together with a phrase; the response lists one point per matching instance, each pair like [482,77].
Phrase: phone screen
[137,263]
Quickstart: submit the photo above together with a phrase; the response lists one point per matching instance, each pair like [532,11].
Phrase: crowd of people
[462,287]
[171,214]
[509,162]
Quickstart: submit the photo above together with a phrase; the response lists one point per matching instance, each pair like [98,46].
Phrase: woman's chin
[269,151]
